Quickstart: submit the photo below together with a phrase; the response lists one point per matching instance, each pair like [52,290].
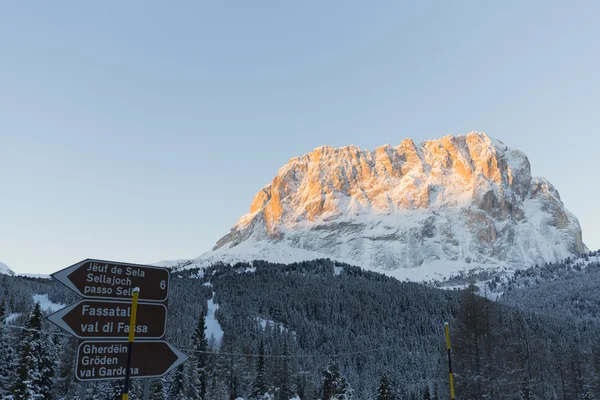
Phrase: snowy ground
[213,328]
[46,304]
[266,322]
[11,317]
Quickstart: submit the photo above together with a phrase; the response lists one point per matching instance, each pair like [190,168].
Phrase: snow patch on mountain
[4,269]
[213,327]
[271,324]
[46,304]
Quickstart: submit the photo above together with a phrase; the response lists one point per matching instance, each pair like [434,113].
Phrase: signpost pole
[449,360]
[83,390]
[136,293]
[146,389]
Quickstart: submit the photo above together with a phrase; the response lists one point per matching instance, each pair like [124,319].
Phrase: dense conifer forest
[324,330]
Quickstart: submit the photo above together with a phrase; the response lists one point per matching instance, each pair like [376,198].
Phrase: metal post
[146,389]
[449,360]
[134,301]
[83,390]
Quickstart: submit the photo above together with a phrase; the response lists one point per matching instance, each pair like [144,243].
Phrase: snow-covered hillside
[580,268]
[5,270]
[418,212]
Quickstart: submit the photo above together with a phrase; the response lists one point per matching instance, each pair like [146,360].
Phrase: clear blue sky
[140,131]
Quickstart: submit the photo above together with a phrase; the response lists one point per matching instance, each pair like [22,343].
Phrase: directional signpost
[110,280]
[97,319]
[120,328]
[105,360]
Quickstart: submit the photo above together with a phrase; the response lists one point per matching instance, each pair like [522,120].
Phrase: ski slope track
[416,212]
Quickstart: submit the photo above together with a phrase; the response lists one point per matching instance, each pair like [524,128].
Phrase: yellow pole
[134,303]
[449,360]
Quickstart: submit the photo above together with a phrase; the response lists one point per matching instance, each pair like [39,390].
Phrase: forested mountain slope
[284,324]
[330,308]
[566,289]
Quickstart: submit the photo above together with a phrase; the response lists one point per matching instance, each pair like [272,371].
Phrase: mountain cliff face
[415,211]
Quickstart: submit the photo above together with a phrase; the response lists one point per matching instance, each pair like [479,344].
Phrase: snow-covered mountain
[5,270]
[412,211]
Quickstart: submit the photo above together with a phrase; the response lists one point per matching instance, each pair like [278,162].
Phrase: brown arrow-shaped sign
[106,360]
[115,280]
[103,319]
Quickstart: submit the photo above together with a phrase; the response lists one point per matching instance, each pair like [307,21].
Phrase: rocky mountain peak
[449,171]
[462,199]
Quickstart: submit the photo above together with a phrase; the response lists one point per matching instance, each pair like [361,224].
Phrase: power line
[229,354]
[297,355]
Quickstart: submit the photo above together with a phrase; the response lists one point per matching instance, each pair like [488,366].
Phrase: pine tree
[212,371]
[385,391]
[7,355]
[178,384]
[23,388]
[36,368]
[200,359]
[64,386]
[8,360]
[426,393]
[330,377]
[46,351]
[259,386]
[111,390]
[192,382]
[157,390]
[335,386]
[232,381]
[286,389]
[469,346]
[525,392]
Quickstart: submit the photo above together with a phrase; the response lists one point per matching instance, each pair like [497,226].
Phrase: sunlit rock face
[458,199]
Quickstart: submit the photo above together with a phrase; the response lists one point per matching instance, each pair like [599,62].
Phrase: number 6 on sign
[163,285]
